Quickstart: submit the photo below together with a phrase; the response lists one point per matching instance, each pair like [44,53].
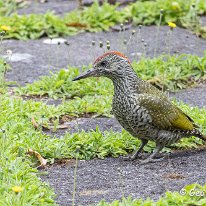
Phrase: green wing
[165,115]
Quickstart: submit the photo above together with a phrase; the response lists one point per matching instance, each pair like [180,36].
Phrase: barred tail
[195,132]
[198,134]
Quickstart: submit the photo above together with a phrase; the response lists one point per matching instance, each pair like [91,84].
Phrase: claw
[150,160]
[137,153]
[130,158]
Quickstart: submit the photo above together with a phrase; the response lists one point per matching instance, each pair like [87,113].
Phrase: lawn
[29,125]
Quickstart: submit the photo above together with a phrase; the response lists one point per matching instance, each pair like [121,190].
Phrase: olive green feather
[165,115]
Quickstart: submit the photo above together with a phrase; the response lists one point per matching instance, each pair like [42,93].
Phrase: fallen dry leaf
[174,176]
[76,24]
[34,123]
[38,156]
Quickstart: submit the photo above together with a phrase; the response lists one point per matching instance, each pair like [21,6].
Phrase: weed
[170,198]
[168,72]
[7,7]
[4,67]
[97,18]
[18,134]
[75,176]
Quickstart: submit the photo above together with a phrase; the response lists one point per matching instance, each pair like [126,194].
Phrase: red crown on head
[112,52]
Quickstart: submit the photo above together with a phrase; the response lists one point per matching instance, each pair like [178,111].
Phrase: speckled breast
[129,114]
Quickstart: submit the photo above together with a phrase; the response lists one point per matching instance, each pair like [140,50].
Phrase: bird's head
[112,64]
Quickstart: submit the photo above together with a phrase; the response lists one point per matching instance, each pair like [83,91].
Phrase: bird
[141,108]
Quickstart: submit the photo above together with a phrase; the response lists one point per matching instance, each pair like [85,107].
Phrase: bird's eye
[103,64]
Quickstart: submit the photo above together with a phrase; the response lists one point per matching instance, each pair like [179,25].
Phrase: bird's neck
[127,84]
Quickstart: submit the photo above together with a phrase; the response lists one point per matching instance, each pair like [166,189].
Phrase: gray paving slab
[112,178]
[46,58]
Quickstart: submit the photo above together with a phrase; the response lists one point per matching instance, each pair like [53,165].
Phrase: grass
[16,115]
[18,134]
[96,18]
[168,72]
[7,7]
[170,198]
[148,12]
[173,72]
[16,169]
[3,68]
[90,96]
[34,26]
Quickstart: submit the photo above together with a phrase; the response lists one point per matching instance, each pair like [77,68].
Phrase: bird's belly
[133,119]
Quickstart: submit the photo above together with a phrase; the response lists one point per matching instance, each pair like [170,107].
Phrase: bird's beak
[88,73]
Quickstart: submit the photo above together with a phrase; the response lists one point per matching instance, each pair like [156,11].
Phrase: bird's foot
[130,157]
[151,160]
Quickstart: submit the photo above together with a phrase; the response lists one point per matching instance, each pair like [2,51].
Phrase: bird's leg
[135,155]
[151,159]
